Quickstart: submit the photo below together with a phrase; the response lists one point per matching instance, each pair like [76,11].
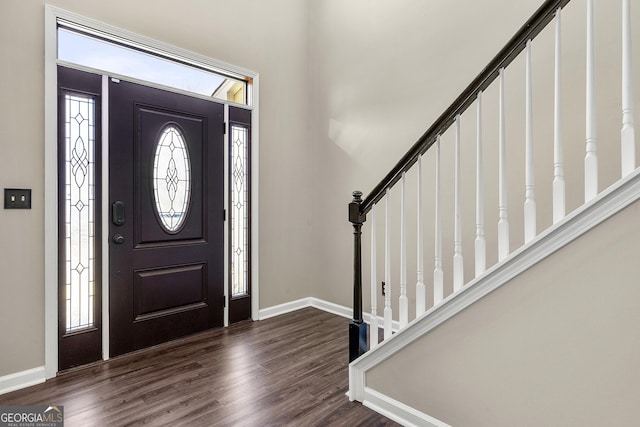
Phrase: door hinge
[224,214]
[224,128]
[224,302]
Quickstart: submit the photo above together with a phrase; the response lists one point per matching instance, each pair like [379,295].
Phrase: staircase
[504,326]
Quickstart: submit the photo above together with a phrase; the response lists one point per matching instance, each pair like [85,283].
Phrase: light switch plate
[15,198]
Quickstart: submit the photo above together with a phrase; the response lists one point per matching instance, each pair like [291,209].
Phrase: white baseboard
[320,304]
[22,379]
[329,307]
[398,411]
[287,307]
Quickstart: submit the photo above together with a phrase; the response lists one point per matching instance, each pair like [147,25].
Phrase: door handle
[118,214]
[118,239]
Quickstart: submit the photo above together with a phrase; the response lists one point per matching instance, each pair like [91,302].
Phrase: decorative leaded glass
[239,210]
[171,179]
[80,214]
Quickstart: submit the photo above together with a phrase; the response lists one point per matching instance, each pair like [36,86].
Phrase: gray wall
[556,346]
[267,37]
[381,73]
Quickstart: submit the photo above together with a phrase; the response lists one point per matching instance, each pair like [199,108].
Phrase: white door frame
[52,16]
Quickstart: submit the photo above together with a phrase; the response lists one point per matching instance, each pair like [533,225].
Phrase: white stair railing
[421,292]
[373,323]
[503,221]
[458,259]
[480,242]
[627,133]
[529,193]
[404,301]
[591,158]
[486,243]
[558,165]
[438,273]
[388,313]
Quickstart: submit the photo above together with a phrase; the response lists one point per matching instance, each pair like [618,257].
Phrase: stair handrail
[358,208]
[536,23]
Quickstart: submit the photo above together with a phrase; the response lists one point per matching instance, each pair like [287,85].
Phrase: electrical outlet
[17,198]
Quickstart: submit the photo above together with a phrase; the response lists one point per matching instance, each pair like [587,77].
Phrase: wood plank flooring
[290,370]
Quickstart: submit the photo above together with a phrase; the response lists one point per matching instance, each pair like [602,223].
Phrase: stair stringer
[609,202]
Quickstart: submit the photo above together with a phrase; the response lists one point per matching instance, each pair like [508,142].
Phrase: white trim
[255,199]
[288,307]
[105,218]
[329,307]
[341,310]
[398,411]
[50,196]
[320,304]
[22,379]
[583,219]
[347,312]
[227,215]
[279,309]
[51,15]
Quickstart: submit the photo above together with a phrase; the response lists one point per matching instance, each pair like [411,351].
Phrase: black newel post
[357,327]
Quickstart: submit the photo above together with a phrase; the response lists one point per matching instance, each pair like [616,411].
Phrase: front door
[166,200]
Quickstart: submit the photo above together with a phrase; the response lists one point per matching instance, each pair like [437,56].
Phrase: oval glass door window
[171,179]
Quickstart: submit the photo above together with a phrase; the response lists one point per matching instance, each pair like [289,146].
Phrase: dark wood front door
[166,200]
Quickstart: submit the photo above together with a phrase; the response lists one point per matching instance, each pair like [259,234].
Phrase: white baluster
[404,301]
[503,222]
[420,288]
[388,319]
[591,158]
[558,162]
[458,260]
[373,323]
[628,138]
[438,274]
[480,243]
[530,201]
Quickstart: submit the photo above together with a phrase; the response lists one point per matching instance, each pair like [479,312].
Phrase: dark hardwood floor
[290,370]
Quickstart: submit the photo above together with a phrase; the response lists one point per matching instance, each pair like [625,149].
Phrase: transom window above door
[106,53]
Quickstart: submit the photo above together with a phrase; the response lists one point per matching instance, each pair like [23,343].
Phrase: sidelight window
[79,211]
[239,210]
